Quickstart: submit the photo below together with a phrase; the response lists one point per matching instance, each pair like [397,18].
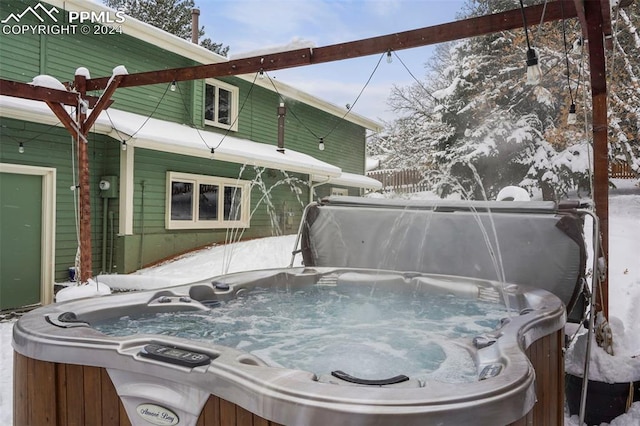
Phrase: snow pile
[621,368]
[631,418]
[90,289]
[513,193]
[295,44]
[48,82]
[262,253]
[120,70]
[84,72]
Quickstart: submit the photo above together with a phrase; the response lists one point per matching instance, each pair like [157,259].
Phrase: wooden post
[86,267]
[594,24]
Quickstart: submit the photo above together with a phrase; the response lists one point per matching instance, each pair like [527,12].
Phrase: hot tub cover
[539,244]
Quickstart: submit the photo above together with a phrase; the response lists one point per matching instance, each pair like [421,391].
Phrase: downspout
[141,225]
[105,210]
[282,112]
[111,241]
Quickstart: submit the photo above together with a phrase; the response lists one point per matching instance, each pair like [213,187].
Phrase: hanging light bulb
[261,74]
[389,57]
[21,148]
[321,144]
[173,86]
[534,73]
[124,146]
[213,151]
[572,117]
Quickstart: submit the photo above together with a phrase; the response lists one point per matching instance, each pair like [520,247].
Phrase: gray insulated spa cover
[528,243]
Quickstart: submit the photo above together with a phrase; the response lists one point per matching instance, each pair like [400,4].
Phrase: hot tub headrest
[537,243]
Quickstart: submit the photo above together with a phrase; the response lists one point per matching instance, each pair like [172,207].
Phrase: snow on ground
[624,285]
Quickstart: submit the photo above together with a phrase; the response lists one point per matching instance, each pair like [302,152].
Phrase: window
[201,202]
[220,104]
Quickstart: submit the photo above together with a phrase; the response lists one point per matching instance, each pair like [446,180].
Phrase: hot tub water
[366,332]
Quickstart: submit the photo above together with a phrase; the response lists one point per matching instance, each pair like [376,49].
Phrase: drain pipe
[282,112]
[195,30]
[105,209]
[111,242]
[141,225]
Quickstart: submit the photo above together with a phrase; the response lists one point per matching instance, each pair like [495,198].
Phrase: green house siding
[25,56]
[48,146]
[151,242]
[60,56]
[304,125]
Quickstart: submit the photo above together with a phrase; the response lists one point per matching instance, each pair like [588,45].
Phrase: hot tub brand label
[157,415]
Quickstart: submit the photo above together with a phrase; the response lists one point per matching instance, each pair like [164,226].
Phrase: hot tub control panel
[173,355]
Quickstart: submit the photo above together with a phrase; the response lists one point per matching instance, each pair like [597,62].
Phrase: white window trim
[195,223]
[235,93]
[339,191]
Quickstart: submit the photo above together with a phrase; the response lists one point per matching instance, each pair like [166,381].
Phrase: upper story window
[200,202]
[221,105]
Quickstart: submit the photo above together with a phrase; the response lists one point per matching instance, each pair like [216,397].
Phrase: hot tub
[69,372]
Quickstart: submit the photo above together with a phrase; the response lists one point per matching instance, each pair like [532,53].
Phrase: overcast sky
[250,25]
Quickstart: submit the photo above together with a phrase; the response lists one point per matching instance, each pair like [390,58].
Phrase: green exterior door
[20,239]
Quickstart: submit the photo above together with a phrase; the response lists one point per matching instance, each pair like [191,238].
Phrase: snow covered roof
[350,179]
[157,37]
[140,131]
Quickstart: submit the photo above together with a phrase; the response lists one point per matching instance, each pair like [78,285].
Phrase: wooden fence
[411,180]
[402,181]
[621,170]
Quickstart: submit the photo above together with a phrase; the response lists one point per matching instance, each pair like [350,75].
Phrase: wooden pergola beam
[39,93]
[442,33]
[103,102]
[64,117]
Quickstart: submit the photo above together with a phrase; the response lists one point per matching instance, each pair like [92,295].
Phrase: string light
[572,116]
[534,73]
[261,74]
[124,145]
[321,144]
[173,86]
[213,151]
[21,148]
[389,57]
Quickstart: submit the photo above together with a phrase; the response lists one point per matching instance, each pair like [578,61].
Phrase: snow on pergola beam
[40,93]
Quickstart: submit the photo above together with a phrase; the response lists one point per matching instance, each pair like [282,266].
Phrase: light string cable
[544,10]
[426,91]
[24,141]
[585,96]
[233,123]
[566,52]
[524,20]
[146,120]
[343,116]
